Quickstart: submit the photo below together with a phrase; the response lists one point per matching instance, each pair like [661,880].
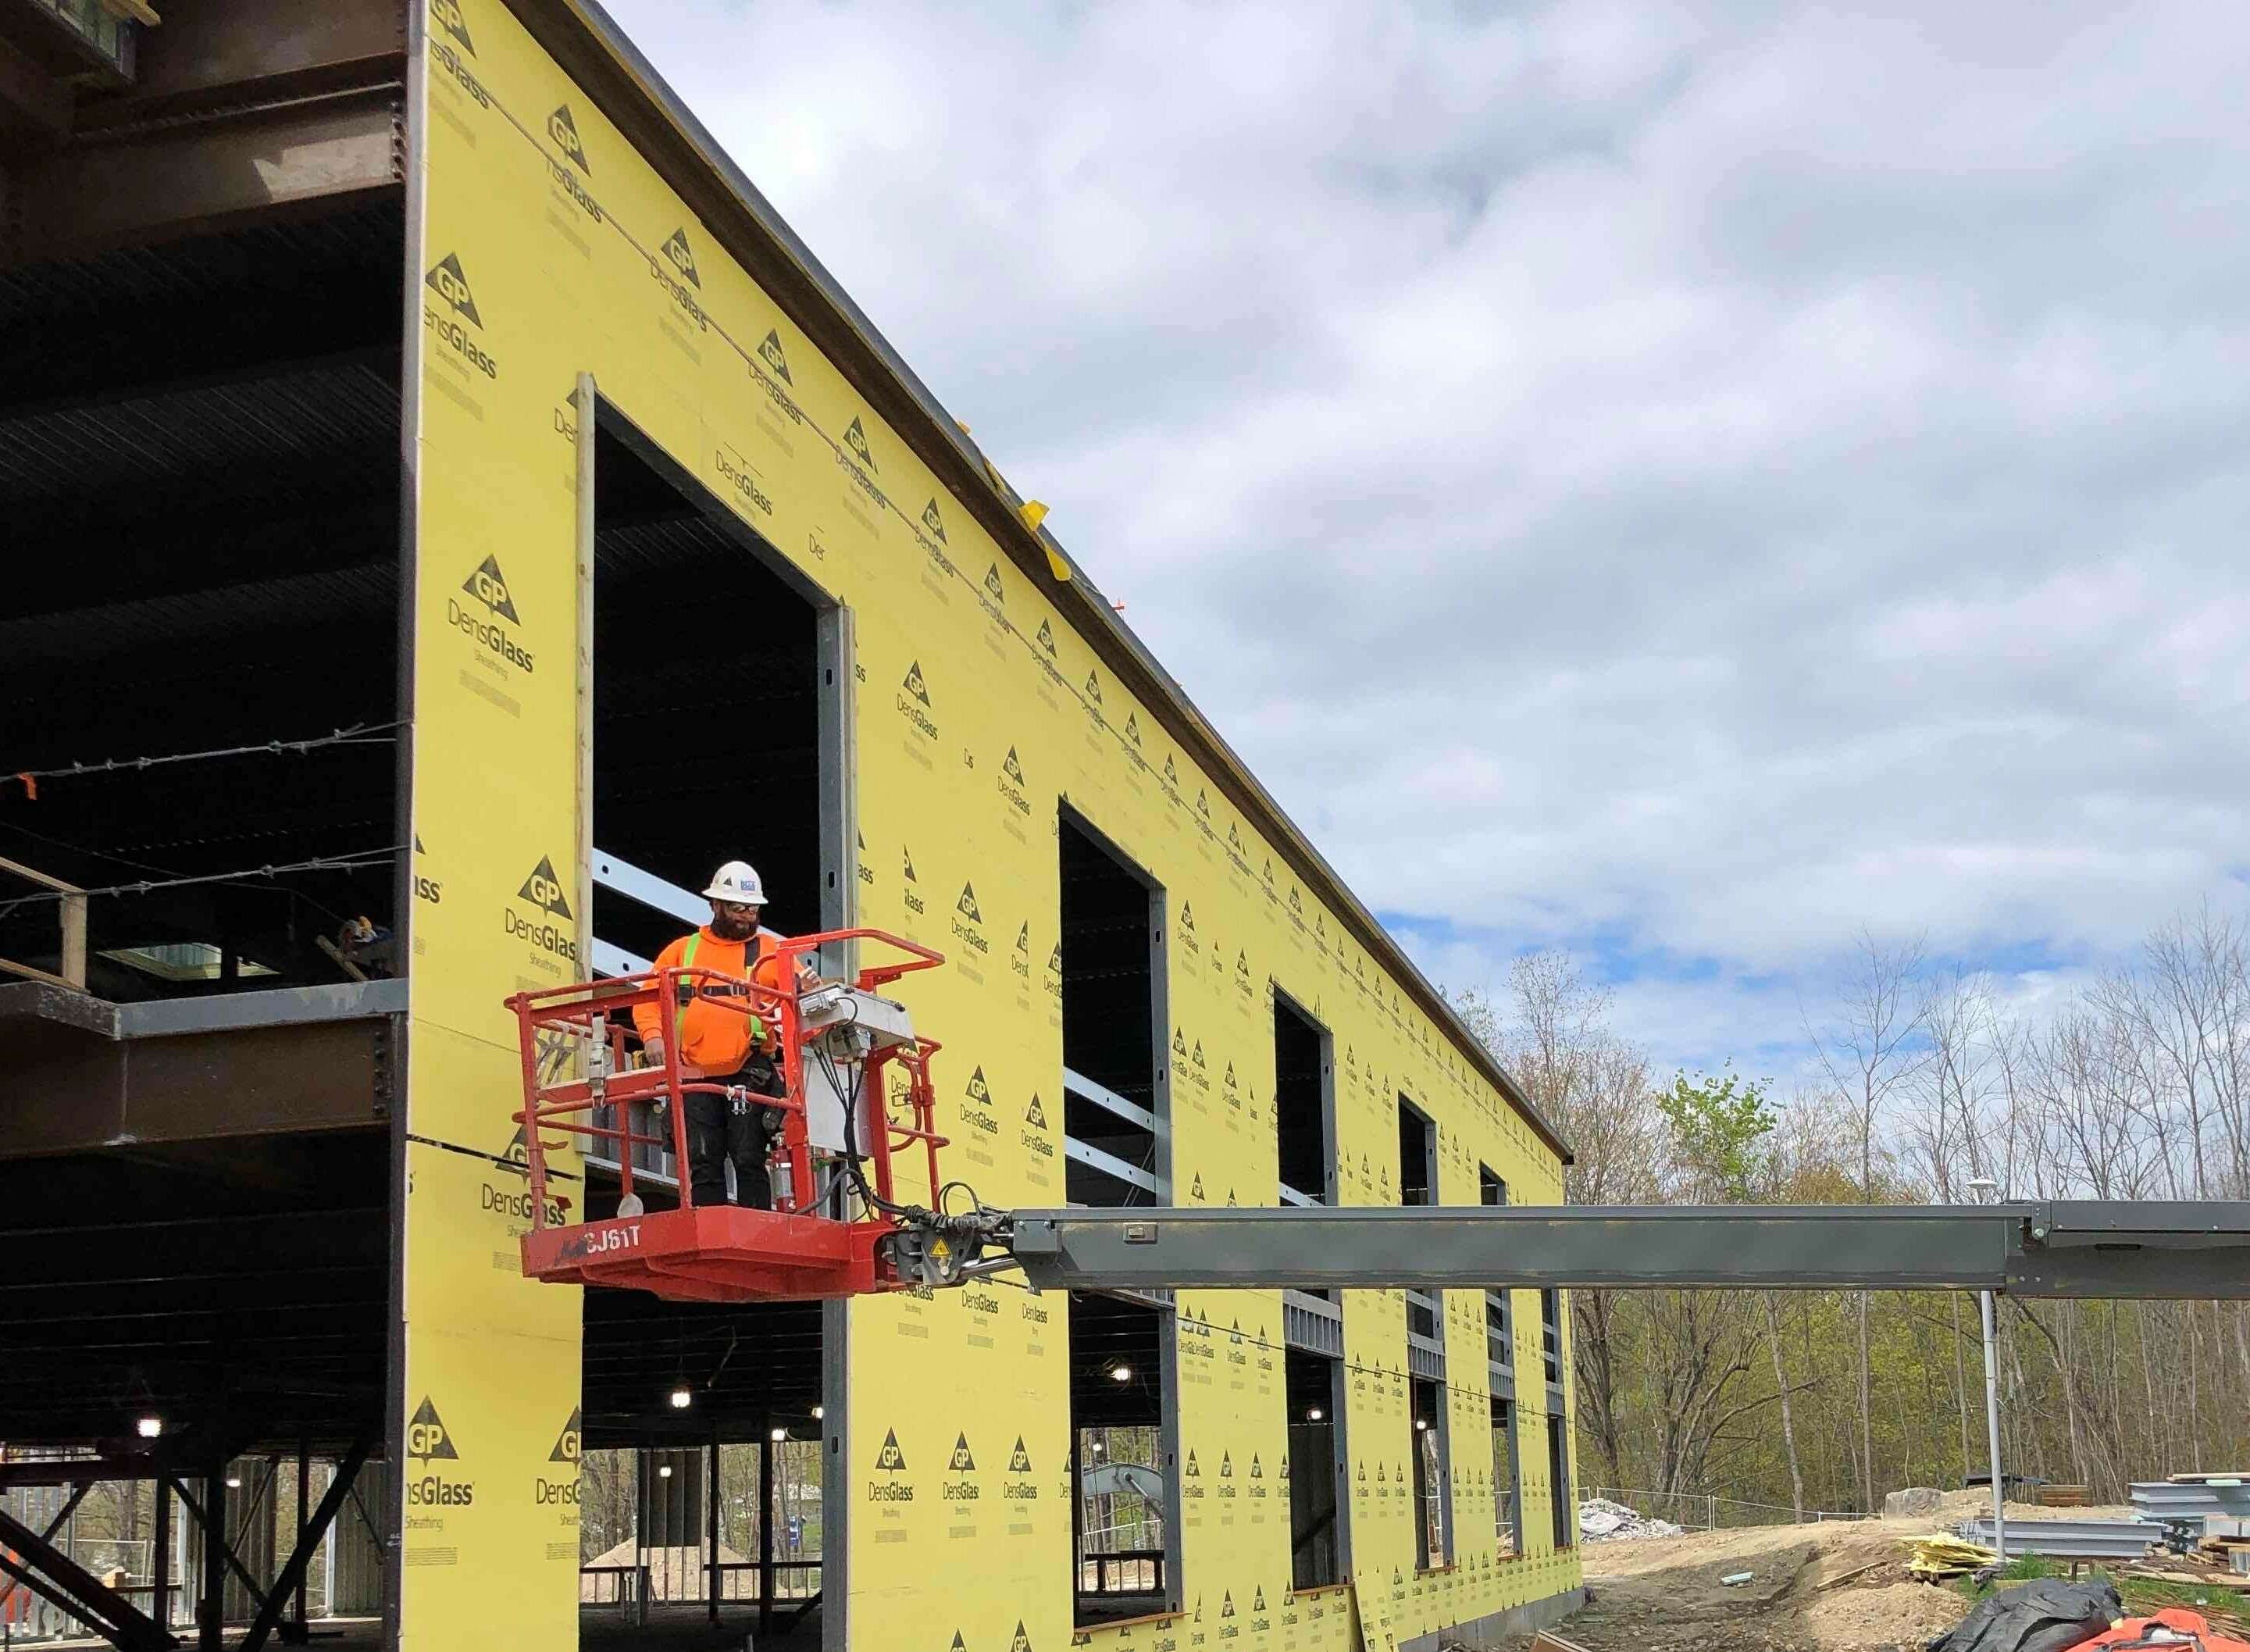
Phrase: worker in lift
[723,1044]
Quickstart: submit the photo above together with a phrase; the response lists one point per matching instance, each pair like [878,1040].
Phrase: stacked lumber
[2225,1550]
[1943,1555]
[2065,1497]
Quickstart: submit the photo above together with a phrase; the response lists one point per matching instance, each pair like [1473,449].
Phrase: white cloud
[1698,478]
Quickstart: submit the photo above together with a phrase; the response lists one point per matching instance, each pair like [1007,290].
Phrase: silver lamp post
[1987,1189]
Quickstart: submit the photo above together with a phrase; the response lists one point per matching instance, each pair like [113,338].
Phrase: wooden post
[71,912]
[75,940]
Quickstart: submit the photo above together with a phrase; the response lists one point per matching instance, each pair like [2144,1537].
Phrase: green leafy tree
[1719,1131]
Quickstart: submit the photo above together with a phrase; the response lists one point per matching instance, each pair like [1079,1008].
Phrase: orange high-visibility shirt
[713,1037]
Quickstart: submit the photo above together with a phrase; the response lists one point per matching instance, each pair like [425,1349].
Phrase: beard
[728,927]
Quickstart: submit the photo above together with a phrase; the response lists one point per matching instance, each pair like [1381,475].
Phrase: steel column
[228,1559]
[295,1634]
[160,1571]
[211,1611]
[711,1519]
[765,1525]
[1992,1431]
[292,1577]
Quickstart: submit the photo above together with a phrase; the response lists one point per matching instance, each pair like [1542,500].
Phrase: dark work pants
[717,1134]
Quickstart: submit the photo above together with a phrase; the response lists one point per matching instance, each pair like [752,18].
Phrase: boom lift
[857,1096]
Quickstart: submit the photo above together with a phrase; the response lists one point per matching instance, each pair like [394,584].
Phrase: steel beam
[280,1007]
[71,1471]
[132,187]
[83,1075]
[47,1570]
[2153,1250]
[224,54]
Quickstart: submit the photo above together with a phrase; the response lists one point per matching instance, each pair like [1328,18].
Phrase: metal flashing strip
[610,959]
[647,888]
[1109,1165]
[1086,1089]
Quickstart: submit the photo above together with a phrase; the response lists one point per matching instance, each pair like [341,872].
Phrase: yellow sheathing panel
[490,1539]
[979,711]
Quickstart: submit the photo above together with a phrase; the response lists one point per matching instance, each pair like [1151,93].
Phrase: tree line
[1924,1084]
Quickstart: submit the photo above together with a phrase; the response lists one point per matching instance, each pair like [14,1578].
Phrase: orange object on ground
[2195,1629]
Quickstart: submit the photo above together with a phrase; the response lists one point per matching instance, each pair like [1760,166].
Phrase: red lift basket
[821,1239]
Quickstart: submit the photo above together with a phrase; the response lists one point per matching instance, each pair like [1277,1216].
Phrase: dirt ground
[1837,1587]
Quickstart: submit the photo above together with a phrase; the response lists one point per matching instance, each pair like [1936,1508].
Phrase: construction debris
[1943,1555]
[2046,1612]
[1602,1521]
[1910,1500]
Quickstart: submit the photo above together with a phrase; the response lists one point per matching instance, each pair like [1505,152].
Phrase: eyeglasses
[738,908]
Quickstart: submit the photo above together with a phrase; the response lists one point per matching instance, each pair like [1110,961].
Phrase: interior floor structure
[199,470]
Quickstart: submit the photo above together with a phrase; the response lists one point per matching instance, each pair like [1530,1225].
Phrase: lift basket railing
[579,1049]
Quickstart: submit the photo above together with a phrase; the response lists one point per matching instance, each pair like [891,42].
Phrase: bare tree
[1867,1053]
[1921,1079]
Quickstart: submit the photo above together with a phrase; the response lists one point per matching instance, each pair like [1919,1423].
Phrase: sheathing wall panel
[550,248]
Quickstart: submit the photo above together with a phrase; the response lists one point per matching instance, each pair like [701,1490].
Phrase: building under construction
[415,426]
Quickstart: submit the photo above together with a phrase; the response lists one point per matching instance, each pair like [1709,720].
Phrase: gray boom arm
[2112,1249]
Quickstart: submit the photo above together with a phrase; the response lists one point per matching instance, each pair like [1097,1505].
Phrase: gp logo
[544,890]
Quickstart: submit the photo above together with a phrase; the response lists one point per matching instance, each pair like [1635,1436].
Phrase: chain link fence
[1703,1511]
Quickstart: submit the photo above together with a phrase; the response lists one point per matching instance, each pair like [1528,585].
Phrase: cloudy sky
[1680,482]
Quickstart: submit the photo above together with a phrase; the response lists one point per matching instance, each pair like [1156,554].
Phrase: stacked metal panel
[2070,1539]
[2196,1501]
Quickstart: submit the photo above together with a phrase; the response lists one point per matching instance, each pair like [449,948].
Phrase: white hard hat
[736,880]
